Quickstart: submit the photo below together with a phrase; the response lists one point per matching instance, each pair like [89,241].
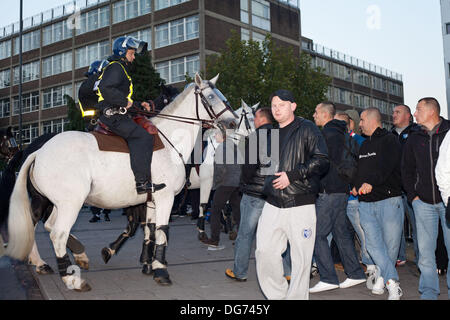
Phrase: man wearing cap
[289,214]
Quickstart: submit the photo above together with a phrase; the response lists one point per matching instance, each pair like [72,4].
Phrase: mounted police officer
[115,89]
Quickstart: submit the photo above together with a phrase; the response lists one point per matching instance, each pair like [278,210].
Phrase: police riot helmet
[122,44]
[96,67]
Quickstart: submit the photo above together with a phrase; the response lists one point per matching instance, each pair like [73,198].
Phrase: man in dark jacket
[403,125]
[331,209]
[378,184]
[115,89]
[252,202]
[227,173]
[289,214]
[420,156]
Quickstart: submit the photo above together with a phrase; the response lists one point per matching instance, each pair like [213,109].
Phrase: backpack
[348,164]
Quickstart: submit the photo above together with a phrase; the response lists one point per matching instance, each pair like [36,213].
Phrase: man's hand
[354,192]
[416,198]
[365,189]
[146,105]
[282,182]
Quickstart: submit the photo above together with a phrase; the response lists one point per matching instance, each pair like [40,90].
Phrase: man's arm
[409,170]
[112,78]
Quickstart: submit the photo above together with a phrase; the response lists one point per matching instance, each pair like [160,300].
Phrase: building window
[261,14]
[176,31]
[342,72]
[362,78]
[30,103]
[361,101]
[5,78]
[30,71]
[175,70]
[144,35]
[342,96]
[5,49]
[129,9]
[4,108]
[245,34]
[93,20]
[54,97]
[244,12]
[84,56]
[57,64]
[54,126]
[162,4]
[30,41]
[29,132]
[56,32]
[379,84]
[395,89]
[323,65]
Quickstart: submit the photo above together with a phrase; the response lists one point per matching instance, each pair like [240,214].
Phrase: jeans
[331,211]
[427,220]
[382,222]
[251,208]
[412,220]
[353,215]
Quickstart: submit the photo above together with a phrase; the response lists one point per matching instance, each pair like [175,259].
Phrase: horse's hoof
[106,254]
[44,269]
[85,287]
[232,235]
[147,269]
[161,276]
[202,236]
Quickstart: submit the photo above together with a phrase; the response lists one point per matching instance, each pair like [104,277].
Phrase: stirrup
[145,187]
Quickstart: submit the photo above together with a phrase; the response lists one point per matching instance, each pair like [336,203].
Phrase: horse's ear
[214,80]
[244,105]
[255,107]
[198,79]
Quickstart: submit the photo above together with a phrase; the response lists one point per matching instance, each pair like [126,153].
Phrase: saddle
[109,141]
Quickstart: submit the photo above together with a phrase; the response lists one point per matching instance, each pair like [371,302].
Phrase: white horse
[70,170]
[204,179]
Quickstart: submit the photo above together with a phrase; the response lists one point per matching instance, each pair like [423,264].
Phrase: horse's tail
[20,223]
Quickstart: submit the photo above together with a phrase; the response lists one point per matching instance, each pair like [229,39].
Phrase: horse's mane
[174,104]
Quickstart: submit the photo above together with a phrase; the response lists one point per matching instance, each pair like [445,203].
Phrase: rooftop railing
[334,54]
[292,3]
[49,15]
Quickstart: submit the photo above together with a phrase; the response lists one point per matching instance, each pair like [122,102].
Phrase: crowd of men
[350,177]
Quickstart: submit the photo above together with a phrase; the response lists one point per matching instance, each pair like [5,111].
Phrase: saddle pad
[118,144]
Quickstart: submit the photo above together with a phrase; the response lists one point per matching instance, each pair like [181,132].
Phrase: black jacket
[333,133]
[419,160]
[404,135]
[114,86]
[303,153]
[379,166]
[86,94]
[252,178]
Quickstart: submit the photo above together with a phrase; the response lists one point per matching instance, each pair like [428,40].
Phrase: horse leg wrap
[148,247]
[131,230]
[63,264]
[162,236]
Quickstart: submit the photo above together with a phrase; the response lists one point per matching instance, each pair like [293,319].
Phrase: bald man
[378,184]
[420,155]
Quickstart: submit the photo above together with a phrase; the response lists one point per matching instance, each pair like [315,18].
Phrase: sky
[404,36]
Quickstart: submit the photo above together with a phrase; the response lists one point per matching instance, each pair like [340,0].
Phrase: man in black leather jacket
[289,213]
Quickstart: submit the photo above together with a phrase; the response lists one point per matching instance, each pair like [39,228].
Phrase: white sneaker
[323,286]
[395,292]
[378,287]
[372,274]
[350,283]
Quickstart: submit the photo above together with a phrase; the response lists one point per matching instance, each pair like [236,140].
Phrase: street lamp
[20,73]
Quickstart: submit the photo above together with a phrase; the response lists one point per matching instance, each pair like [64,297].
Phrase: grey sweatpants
[275,228]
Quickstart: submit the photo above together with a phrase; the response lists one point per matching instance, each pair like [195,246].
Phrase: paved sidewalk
[197,273]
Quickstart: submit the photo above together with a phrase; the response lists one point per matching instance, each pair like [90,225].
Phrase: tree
[76,121]
[146,81]
[252,72]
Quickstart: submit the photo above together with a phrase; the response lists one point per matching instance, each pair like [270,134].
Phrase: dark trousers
[96,211]
[139,141]
[331,213]
[221,196]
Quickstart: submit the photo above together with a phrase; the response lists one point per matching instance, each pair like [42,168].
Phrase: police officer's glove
[447,213]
